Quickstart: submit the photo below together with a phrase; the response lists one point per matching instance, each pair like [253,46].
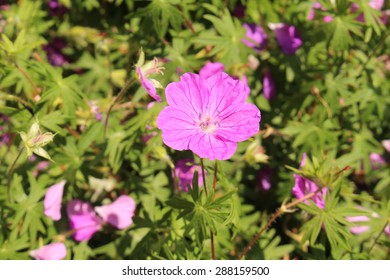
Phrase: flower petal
[53,251]
[82,219]
[119,213]
[177,127]
[207,145]
[240,125]
[190,94]
[53,200]
[148,86]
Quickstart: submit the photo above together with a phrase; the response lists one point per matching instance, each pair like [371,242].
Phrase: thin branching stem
[9,175]
[203,177]
[215,176]
[24,73]
[115,100]
[283,209]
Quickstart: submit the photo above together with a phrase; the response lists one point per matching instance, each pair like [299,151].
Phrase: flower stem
[215,176]
[376,239]
[203,177]
[283,209]
[24,73]
[10,170]
[117,99]
[205,189]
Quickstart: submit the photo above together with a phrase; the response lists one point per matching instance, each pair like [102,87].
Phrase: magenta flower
[207,116]
[56,8]
[53,200]
[119,213]
[375,4]
[358,229]
[304,186]
[256,35]
[361,223]
[53,251]
[317,6]
[387,230]
[148,86]
[288,37]
[269,88]
[54,52]
[184,171]
[265,176]
[211,68]
[82,219]
[376,160]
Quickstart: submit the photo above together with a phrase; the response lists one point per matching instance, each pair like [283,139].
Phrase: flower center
[207,124]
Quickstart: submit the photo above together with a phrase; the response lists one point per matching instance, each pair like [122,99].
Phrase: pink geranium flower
[304,186]
[82,219]
[269,88]
[53,200]
[119,213]
[53,251]
[184,171]
[376,160]
[211,68]
[207,116]
[265,176]
[256,35]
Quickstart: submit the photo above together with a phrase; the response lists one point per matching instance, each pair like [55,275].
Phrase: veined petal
[177,128]
[190,94]
[224,92]
[207,145]
[241,124]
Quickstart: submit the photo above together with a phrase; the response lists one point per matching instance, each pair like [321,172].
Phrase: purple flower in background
[304,186]
[288,37]
[207,116]
[239,11]
[265,176]
[53,200]
[211,68]
[56,8]
[387,230]
[184,171]
[376,160]
[269,88]
[82,219]
[94,109]
[54,52]
[358,229]
[361,222]
[375,4]
[5,137]
[53,251]
[119,213]
[256,35]
[317,6]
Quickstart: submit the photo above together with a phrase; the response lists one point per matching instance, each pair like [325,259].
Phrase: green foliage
[63,73]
